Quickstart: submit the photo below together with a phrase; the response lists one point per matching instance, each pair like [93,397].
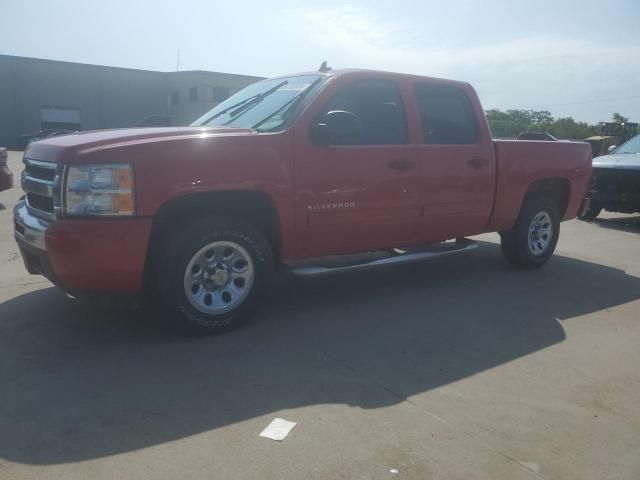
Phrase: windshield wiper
[291,103]
[254,101]
[244,103]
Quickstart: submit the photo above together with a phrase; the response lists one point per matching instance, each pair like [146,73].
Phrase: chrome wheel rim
[218,277]
[540,233]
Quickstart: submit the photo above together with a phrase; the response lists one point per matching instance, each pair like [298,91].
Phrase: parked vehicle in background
[289,173]
[27,138]
[615,185]
[611,135]
[537,136]
[155,121]
[6,177]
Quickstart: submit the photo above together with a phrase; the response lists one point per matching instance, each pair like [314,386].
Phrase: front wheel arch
[254,207]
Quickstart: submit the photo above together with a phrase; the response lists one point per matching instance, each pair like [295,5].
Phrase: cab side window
[377,104]
[447,115]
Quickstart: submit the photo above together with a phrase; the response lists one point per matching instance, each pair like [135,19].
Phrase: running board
[342,263]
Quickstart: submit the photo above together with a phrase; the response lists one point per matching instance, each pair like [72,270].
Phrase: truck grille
[41,183]
[612,180]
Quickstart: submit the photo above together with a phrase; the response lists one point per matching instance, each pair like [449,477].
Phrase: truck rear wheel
[212,275]
[532,240]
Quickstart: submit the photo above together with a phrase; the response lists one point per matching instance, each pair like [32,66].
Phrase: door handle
[478,162]
[401,165]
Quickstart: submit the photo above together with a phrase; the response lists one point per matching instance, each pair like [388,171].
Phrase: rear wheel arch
[557,189]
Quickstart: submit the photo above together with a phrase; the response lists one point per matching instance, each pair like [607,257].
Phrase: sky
[575,58]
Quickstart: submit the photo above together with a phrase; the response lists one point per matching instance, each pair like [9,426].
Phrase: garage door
[60,118]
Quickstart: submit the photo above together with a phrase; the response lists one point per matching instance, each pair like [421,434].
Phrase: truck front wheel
[532,240]
[212,275]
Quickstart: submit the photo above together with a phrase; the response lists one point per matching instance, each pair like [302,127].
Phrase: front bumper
[84,255]
[29,232]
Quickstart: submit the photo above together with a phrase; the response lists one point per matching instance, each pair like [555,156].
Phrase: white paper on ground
[278,429]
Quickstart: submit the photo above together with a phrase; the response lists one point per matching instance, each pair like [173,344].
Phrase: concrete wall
[106,97]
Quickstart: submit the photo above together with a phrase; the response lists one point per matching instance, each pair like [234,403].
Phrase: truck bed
[519,163]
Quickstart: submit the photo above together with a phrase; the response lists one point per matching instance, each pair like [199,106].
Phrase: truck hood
[623,161]
[70,148]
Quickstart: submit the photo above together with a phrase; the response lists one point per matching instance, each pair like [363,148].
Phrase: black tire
[592,212]
[515,242]
[179,252]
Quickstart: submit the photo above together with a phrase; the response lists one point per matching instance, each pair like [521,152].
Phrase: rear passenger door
[456,161]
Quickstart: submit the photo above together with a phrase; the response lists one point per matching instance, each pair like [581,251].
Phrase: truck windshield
[632,146]
[267,106]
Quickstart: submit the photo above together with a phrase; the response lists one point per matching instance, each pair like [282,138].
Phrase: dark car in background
[544,136]
[6,177]
[154,121]
[615,184]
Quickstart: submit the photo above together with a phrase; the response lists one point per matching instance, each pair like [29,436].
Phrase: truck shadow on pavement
[624,224]
[79,384]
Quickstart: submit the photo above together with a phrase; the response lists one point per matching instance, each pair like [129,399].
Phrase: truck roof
[363,71]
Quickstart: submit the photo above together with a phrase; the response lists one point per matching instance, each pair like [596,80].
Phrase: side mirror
[611,148]
[337,127]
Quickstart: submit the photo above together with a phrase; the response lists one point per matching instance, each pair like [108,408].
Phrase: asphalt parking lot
[457,368]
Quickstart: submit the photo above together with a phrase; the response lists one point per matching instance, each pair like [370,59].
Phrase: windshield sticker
[294,87]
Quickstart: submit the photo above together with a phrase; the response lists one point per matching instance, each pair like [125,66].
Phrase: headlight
[99,190]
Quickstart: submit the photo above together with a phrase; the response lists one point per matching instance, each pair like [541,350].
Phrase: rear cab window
[446,114]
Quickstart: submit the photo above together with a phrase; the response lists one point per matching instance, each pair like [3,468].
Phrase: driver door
[362,195]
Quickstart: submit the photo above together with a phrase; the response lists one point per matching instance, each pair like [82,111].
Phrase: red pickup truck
[301,172]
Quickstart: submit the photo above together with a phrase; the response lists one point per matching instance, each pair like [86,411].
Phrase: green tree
[568,129]
[619,118]
[541,117]
[511,122]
